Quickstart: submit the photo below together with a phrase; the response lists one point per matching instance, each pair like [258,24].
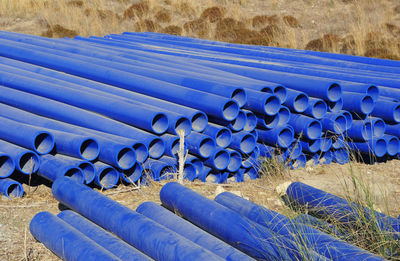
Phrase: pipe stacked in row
[105,110]
[227,228]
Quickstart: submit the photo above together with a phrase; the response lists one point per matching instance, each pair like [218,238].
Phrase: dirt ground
[16,243]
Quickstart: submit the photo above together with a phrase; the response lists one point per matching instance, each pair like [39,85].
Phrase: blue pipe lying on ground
[11,188]
[7,165]
[26,161]
[160,243]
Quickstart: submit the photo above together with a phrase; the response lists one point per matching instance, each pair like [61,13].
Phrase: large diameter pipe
[200,144]
[133,174]
[196,162]
[332,206]
[268,122]
[211,104]
[281,136]
[324,244]
[361,130]
[378,126]
[296,101]
[361,104]
[219,160]
[148,119]
[36,139]
[244,142]
[311,146]
[376,146]
[87,167]
[106,176]
[221,134]
[317,108]
[11,188]
[393,144]
[169,220]
[387,110]
[159,170]
[103,238]
[63,112]
[198,118]
[7,165]
[65,241]
[251,122]
[341,155]
[336,106]
[112,147]
[334,122]
[235,160]
[52,168]
[26,161]
[306,126]
[241,233]
[159,243]
[248,160]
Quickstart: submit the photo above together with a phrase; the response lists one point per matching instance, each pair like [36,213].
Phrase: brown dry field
[363,27]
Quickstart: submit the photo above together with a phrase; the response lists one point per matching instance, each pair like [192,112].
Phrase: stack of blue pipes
[111,109]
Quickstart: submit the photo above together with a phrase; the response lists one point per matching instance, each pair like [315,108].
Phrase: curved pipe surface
[11,188]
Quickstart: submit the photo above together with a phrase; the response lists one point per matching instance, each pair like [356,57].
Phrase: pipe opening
[89,149]
[28,163]
[319,109]
[272,105]
[14,190]
[267,90]
[199,121]
[175,146]
[240,96]
[314,130]
[75,174]
[221,159]
[285,137]
[380,148]
[379,128]
[133,174]
[251,122]
[294,150]
[166,172]
[340,124]
[126,158]
[189,172]
[160,123]
[393,146]
[230,110]
[336,106]
[198,165]
[314,145]
[207,147]
[326,144]
[300,103]
[281,92]
[44,143]
[367,104]
[349,119]
[271,121]
[223,137]
[300,162]
[7,166]
[396,114]
[367,130]
[88,171]
[235,162]
[284,115]
[141,152]
[240,121]
[341,156]
[183,124]
[334,92]
[156,148]
[108,177]
[248,143]
[373,91]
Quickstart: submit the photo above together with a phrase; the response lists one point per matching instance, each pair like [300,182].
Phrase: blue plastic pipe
[334,122]
[103,238]
[296,101]
[190,231]
[311,146]
[200,144]
[332,206]
[281,136]
[221,134]
[243,141]
[305,126]
[361,130]
[248,160]
[159,243]
[267,122]
[26,161]
[251,122]
[11,188]
[235,160]
[357,103]
[60,111]
[219,160]
[299,162]
[87,167]
[378,126]
[336,106]
[387,110]
[65,241]
[158,169]
[52,168]
[375,147]
[284,115]
[7,165]
[341,155]
[106,176]
[349,118]
[211,104]
[28,136]
[196,162]
[133,174]
[225,224]
[393,144]
[317,108]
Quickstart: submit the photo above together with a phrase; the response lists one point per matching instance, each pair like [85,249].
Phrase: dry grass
[360,27]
